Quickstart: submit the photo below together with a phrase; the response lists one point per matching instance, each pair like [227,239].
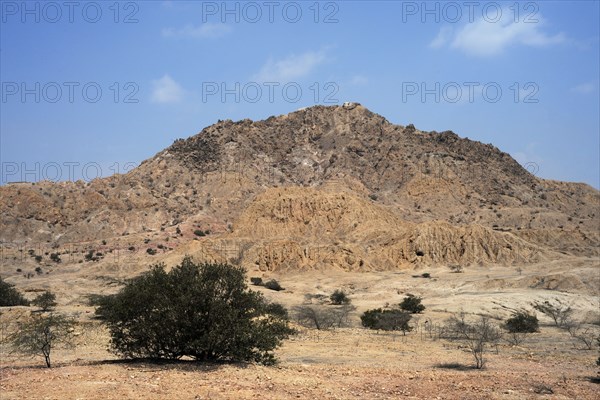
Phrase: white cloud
[442,37]
[291,67]
[584,88]
[166,90]
[482,38]
[205,31]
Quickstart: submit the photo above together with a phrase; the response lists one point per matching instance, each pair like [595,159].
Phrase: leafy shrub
[522,322]
[519,325]
[426,275]
[9,296]
[151,251]
[38,258]
[256,281]
[39,270]
[198,232]
[55,257]
[202,311]
[412,304]
[386,320]
[45,301]
[273,285]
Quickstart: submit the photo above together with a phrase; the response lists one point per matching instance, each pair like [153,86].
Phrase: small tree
[583,334]
[42,333]
[46,301]
[560,313]
[412,304]
[519,325]
[477,336]
[9,296]
[338,297]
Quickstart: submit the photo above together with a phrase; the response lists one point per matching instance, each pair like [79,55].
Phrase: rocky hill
[322,187]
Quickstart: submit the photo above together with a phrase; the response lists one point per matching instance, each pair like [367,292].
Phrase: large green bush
[387,320]
[9,296]
[203,311]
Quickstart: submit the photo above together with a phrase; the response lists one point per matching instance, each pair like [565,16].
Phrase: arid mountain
[322,187]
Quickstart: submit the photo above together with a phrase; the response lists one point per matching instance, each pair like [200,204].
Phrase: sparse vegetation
[477,336]
[199,232]
[560,313]
[9,296]
[457,269]
[322,317]
[202,311]
[585,335]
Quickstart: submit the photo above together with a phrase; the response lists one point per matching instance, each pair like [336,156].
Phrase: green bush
[198,232]
[202,311]
[386,320]
[339,297]
[9,296]
[273,285]
[256,281]
[412,304]
[522,322]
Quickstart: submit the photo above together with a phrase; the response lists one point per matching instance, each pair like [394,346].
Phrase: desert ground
[342,363]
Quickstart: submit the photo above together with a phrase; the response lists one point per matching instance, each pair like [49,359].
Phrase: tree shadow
[455,366]
[164,364]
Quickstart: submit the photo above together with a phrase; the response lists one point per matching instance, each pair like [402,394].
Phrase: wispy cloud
[485,39]
[584,88]
[290,68]
[165,90]
[205,31]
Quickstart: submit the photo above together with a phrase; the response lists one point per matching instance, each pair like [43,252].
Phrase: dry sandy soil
[347,363]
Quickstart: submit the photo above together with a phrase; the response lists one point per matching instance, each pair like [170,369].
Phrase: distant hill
[322,187]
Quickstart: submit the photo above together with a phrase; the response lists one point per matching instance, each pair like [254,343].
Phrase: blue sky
[90,88]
